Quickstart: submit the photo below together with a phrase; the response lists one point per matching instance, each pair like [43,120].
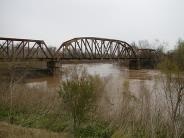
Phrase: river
[115,76]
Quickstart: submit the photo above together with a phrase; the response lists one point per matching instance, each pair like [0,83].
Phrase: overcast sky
[56,21]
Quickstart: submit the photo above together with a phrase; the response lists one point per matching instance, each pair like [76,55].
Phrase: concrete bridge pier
[134,64]
[53,68]
[141,64]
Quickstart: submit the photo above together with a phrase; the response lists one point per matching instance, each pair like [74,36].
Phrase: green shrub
[95,130]
[79,95]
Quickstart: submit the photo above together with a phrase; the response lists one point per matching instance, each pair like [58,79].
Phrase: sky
[56,21]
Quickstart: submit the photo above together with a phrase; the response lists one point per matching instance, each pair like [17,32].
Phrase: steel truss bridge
[82,48]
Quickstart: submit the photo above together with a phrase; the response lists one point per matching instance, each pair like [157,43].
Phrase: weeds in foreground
[73,109]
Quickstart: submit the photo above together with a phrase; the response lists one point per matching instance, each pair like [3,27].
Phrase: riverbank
[130,102]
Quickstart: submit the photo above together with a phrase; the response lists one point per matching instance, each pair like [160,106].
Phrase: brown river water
[116,76]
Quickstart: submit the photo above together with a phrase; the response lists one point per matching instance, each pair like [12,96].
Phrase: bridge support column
[134,64]
[52,68]
[147,63]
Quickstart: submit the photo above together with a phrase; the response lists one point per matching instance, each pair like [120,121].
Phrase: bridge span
[81,48]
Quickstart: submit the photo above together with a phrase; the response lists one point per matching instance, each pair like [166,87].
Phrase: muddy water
[115,77]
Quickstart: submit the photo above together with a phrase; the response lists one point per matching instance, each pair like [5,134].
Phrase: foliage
[79,95]
[179,55]
[172,67]
[97,129]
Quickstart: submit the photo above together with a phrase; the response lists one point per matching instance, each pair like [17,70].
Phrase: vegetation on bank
[74,107]
[172,67]
[14,131]
[69,109]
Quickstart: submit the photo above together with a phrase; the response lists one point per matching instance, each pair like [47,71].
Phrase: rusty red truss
[82,48]
[95,48]
[13,48]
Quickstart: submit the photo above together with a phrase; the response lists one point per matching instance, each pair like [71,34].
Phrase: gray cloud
[58,20]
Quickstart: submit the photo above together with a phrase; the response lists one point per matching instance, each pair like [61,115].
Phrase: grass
[15,131]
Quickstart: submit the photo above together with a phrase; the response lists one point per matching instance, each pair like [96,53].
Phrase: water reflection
[44,83]
[116,74]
